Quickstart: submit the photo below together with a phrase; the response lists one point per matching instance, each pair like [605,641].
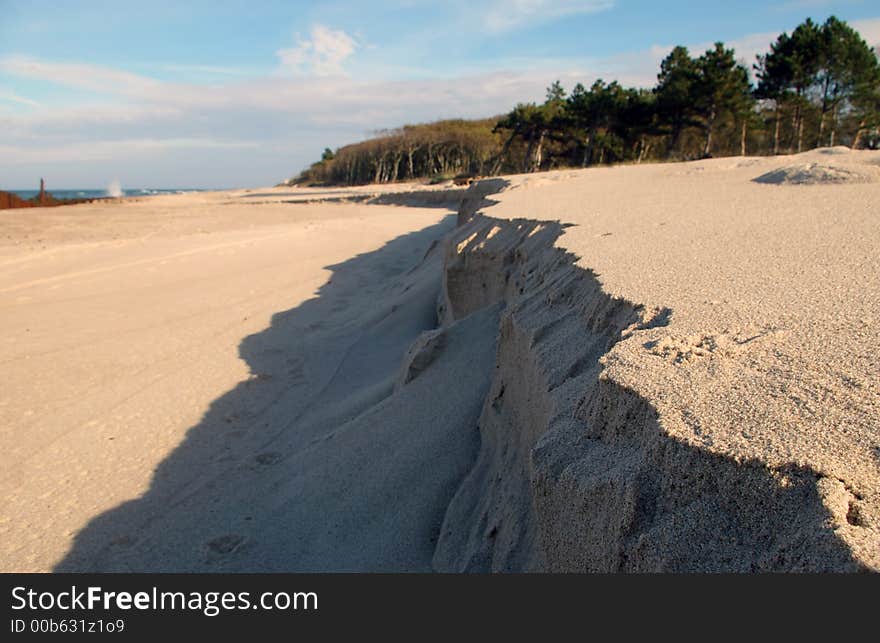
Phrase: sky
[228,93]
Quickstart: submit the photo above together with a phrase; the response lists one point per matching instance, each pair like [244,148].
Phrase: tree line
[818,86]
[441,149]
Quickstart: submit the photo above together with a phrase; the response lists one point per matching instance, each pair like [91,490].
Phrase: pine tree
[674,91]
[638,122]
[804,57]
[866,107]
[775,74]
[845,64]
[721,88]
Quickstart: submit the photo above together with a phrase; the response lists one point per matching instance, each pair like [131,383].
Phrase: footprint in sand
[268,458]
[727,344]
[295,370]
[123,542]
[225,545]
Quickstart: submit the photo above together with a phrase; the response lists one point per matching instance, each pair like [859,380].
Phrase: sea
[96,194]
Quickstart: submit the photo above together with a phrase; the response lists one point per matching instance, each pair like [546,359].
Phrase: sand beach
[655,367]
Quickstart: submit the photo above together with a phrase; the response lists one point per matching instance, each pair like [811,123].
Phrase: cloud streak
[108,150]
[12,97]
[79,76]
[508,15]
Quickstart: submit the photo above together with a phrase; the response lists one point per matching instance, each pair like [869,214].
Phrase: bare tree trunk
[821,129]
[539,152]
[833,126]
[742,140]
[377,177]
[707,150]
[529,149]
[800,132]
[857,141]
[674,140]
[588,150]
[496,167]
[776,132]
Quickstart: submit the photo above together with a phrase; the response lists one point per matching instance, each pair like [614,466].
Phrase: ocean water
[95,194]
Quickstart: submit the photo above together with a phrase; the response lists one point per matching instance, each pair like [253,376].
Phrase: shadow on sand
[316,367]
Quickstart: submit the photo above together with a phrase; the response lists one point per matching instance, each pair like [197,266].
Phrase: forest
[818,86]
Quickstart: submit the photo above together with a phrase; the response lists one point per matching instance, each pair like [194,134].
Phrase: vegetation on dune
[818,86]
[441,149]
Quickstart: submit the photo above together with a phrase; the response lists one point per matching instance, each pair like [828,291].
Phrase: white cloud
[108,150]
[506,15]
[323,54]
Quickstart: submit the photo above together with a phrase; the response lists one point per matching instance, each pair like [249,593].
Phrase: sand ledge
[576,471]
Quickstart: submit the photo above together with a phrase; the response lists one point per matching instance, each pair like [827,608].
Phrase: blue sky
[232,93]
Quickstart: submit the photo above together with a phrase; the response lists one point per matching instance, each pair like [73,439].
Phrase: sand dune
[707,369]
[817,173]
[659,367]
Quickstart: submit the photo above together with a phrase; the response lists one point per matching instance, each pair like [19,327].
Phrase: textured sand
[146,352]
[755,313]
[255,381]
[774,293]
